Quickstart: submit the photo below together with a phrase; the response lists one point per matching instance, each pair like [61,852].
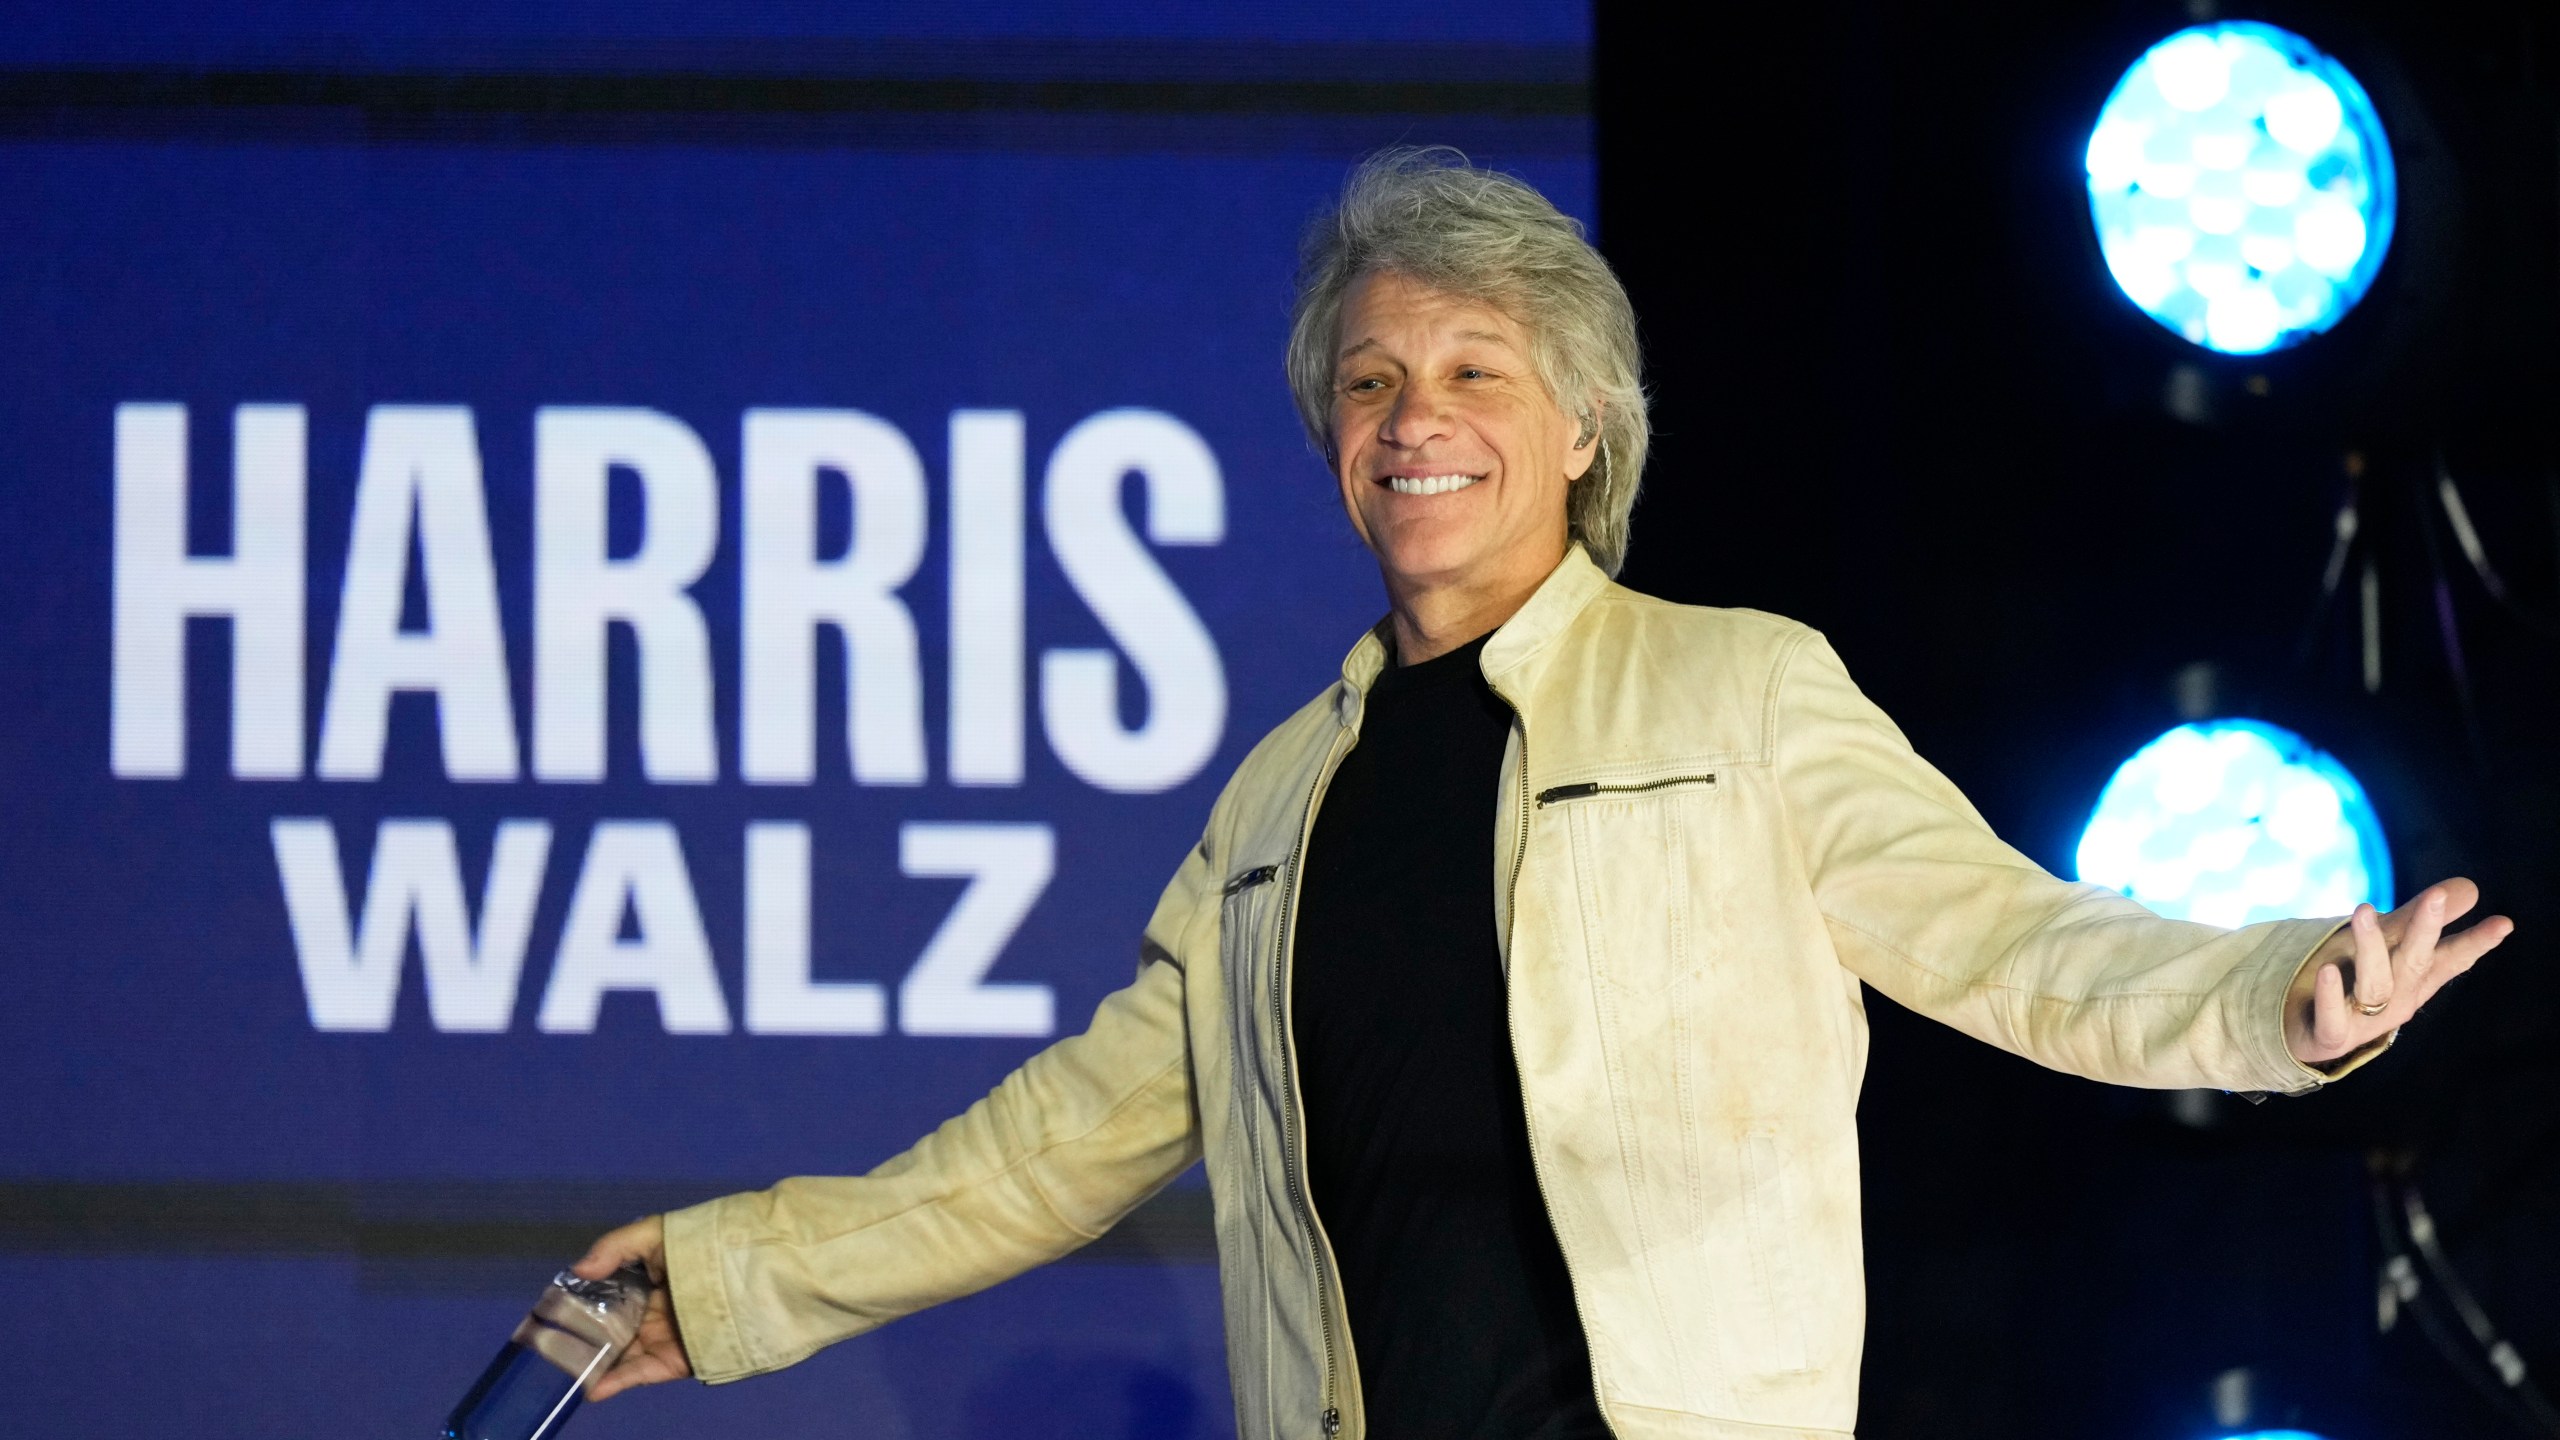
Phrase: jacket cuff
[2354,1059]
[698,1289]
[2302,940]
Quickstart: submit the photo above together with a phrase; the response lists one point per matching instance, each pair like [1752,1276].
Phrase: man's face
[1453,459]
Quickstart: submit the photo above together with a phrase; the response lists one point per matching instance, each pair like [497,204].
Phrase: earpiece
[1590,427]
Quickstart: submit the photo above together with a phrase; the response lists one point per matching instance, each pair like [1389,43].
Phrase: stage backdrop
[603,606]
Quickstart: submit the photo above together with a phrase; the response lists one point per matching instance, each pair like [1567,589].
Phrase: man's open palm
[2376,971]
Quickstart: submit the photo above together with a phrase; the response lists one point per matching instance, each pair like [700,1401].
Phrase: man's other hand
[2374,973]
[656,1354]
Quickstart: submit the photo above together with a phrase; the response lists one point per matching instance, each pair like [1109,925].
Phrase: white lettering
[986,597]
[158,586]
[1137,603]
[781,998]
[1008,866]
[638,867]
[421,470]
[578,591]
[789,593]
[351,981]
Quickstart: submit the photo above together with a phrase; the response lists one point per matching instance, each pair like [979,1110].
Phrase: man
[1513,993]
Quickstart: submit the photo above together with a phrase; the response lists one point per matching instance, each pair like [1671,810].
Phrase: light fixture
[2242,187]
[2235,821]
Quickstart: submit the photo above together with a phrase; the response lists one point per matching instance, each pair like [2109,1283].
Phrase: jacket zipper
[1583,790]
[1330,1421]
[1256,876]
[1529,1121]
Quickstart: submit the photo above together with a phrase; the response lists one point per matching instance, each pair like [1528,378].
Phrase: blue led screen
[2231,822]
[567,666]
[2242,187]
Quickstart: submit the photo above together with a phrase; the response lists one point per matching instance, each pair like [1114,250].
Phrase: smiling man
[1455,463]
[1513,993]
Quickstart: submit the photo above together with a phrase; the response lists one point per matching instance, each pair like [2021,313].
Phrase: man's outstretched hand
[657,1353]
[2374,974]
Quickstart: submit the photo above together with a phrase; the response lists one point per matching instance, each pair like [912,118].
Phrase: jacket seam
[1243,1113]
[2003,987]
[1040,1192]
[992,1176]
[1136,1092]
[1649,768]
[1778,672]
[1631,1167]
[1769,743]
[1183,944]
[739,1339]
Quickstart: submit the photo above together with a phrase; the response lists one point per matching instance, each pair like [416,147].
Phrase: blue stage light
[2236,821]
[2242,187]
[2274,1435]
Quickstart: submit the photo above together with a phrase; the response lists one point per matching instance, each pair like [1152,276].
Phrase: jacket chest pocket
[1646,893]
[1248,950]
[1248,938]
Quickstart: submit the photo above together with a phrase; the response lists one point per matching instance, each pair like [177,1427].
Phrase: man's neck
[1429,621]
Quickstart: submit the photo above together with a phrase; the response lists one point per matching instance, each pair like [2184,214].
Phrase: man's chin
[1419,559]
[1427,564]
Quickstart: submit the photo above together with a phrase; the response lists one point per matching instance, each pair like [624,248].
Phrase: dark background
[1898,397]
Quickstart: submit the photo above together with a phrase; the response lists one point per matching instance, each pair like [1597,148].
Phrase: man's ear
[1581,460]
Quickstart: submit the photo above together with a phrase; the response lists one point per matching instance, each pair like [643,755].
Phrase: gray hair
[1426,213]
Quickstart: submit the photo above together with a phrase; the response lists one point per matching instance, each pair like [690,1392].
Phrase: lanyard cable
[2489,1363]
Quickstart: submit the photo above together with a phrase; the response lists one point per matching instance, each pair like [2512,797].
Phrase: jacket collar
[1558,601]
[1554,605]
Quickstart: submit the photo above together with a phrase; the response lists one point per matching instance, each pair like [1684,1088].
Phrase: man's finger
[604,1257]
[618,1379]
[2458,894]
[635,1243]
[2329,1012]
[629,1373]
[634,1367]
[2416,952]
[653,1359]
[2480,939]
[2457,953]
[2373,962]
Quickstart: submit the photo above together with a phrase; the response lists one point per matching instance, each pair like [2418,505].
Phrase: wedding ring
[2369,1011]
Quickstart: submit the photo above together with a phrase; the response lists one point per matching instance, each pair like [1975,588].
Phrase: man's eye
[1471,372]
[1366,386]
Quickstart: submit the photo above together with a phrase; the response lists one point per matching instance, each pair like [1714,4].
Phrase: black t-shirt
[1417,1145]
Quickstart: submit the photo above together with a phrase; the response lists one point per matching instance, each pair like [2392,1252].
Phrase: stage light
[2273,1435]
[2242,187]
[2236,821]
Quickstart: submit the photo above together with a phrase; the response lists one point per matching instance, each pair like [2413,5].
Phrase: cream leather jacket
[1710,839]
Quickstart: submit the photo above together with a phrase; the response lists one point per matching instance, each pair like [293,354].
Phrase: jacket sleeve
[1927,905]
[1051,1158]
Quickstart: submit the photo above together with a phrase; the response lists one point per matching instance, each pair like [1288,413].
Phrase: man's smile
[1429,484]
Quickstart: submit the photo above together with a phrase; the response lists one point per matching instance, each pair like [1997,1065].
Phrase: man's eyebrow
[1489,336]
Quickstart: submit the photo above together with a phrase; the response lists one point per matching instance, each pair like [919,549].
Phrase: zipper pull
[1256,876]
[1567,792]
[1331,1421]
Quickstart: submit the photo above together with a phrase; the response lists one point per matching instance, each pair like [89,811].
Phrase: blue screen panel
[435,833]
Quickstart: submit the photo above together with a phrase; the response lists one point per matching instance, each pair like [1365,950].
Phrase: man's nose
[1419,416]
